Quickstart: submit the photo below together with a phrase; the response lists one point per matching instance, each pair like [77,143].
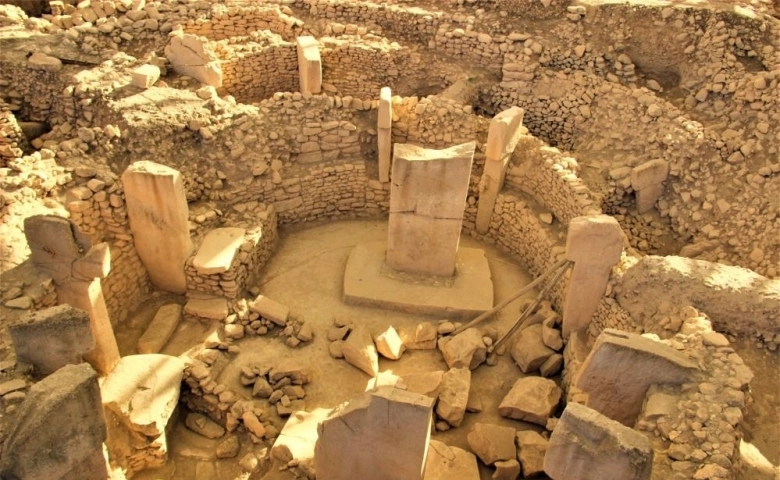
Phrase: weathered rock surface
[529,350]
[466,349]
[389,344]
[587,445]
[450,463]
[454,395]
[359,350]
[531,448]
[492,443]
[531,399]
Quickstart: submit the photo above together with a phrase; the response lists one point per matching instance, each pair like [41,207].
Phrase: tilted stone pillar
[58,249]
[309,64]
[647,180]
[158,212]
[427,200]
[594,244]
[503,135]
[384,126]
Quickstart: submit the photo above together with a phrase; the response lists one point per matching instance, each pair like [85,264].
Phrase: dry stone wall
[258,66]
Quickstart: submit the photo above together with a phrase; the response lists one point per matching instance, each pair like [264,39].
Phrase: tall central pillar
[427,200]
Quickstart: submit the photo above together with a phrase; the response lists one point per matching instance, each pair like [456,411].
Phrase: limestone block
[422,338]
[646,198]
[158,213]
[389,344]
[427,201]
[620,369]
[427,383]
[454,395]
[213,308]
[649,174]
[595,244]
[309,64]
[504,133]
[145,76]
[359,351]
[160,329]
[61,413]
[270,309]
[385,111]
[139,398]
[492,443]
[450,463]
[218,249]
[529,351]
[204,426]
[466,349]
[54,244]
[506,470]
[382,434]
[531,448]
[95,264]
[588,445]
[531,399]
[41,61]
[52,338]
[299,436]
[193,56]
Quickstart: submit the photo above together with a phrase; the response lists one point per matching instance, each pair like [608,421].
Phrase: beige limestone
[193,56]
[52,338]
[620,369]
[145,76]
[454,395]
[382,434]
[492,443]
[503,134]
[466,349]
[62,251]
[158,212]
[384,133]
[359,350]
[139,398]
[160,329]
[309,64]
[218,249]
[586,445]
[427,200]
[647,181]
[298,437]
[213,308]
[594,243]
[270,309]
[61,413]
[531,399]
[389,344]
[450,463]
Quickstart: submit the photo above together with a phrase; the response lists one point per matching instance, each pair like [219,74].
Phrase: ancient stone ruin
[407,239]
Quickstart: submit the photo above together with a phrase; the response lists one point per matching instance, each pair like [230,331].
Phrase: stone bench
[227,257]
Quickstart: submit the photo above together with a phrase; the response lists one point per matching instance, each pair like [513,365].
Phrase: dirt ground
[306,273]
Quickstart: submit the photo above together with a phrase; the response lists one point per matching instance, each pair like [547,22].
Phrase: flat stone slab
[218,249]
[270,309]
[367,281]
[215,308]
[160,329]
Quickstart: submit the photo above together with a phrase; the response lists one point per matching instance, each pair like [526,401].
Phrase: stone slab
[160,329]
[367,282]
[270,309]
[52,338]
[427,200]
[214,308]
[382,434]
[62,413]
[309,64]
[587,445]
[218,249]
[620,369]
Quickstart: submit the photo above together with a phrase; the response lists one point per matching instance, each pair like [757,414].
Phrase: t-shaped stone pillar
[594,244]
[427,200]
[158,212]
[384,124]
[647,181]
[504,133]
[76,267]
[309,64]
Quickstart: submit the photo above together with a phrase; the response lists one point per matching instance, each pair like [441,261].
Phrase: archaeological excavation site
[389,240]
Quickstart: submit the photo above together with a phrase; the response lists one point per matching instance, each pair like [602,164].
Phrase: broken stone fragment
[360,352]
[253,424]
[228,448]
[145,76]
[492,443]
[531,399]
[454,395]
[389,344]
[298,437]
[204,426]
[299,374]
[466,349]
[506,470]
[529,350]
[423,337]
[382,434]
[213,308]
[261,388]
[450,463]
[270,309]
[551,366]
[531,447]
[584,438]
[428,383]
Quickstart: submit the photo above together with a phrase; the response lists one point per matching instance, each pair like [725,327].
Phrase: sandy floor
[306,274]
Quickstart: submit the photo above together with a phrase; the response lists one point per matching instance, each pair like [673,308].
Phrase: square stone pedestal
[467,294]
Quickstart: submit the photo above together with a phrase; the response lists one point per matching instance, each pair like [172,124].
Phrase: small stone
[228,448]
